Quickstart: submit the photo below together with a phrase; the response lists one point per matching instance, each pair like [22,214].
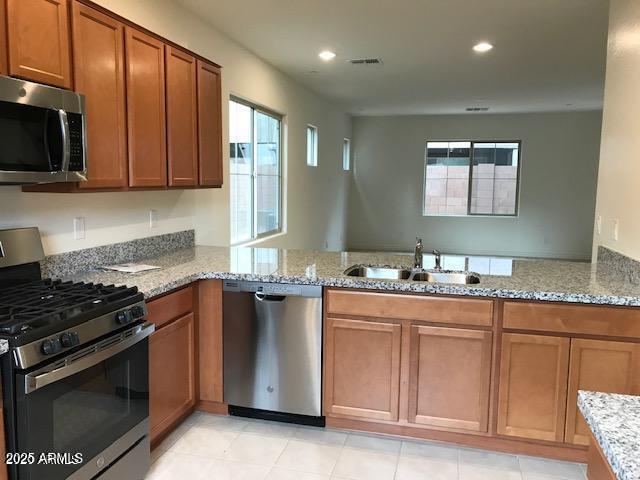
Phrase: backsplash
[64,264]
[619,264]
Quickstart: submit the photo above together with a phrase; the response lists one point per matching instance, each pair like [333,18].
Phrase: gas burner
[46,304]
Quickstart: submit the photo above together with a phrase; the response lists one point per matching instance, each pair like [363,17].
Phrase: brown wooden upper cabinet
[209,124]
[39,42]
[182,118]
[602,366]
[449,378]
[362,369]
[533,386]
[154,111]
[98,56]
[146,118]
[3,35]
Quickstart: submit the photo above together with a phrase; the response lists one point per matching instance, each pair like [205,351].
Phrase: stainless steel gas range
[75,380]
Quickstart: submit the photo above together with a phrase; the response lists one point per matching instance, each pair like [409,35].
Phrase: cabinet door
[171,374]
[98,59]
[4,70]
[146,110]
[533,386]
[612,367]
[362,369]
[450,374]
[39,43]
[209,124]
[182,118]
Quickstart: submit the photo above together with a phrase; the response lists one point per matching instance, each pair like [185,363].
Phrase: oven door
[86,411]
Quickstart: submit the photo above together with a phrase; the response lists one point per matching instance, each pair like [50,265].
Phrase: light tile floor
[215,447]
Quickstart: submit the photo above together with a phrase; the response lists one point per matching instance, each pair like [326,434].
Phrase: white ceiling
[548,53]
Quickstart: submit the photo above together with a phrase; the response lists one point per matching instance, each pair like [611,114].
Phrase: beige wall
[559,160]
[619,173]
[315,197]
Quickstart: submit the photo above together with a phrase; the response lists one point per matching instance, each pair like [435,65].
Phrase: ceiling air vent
[366,61]
[477,109]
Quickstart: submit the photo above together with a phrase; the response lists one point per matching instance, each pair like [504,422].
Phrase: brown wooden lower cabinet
[172,374]
[450,376]
[601,366]
[533,386]
[598,467]
[362,368]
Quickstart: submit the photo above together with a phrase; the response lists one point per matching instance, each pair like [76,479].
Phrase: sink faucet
[436,254]
[417,254]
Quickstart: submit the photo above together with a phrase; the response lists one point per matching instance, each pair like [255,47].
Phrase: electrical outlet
[153,218]
[616,229]
[78,228]
[599,225]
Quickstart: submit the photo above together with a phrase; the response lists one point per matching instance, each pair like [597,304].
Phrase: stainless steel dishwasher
[273,351]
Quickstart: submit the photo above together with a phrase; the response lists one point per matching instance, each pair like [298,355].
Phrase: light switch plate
[616,229]
[599,225]
[78,228]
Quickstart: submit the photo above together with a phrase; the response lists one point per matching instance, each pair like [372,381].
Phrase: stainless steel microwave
[42,134]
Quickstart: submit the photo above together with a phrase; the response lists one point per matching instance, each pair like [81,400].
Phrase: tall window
[312,146]
[346,154]
[255,170]
[471,178]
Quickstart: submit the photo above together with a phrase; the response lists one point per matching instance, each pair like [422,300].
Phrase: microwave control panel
[76,163]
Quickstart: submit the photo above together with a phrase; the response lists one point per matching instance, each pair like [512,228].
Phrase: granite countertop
[615,422]
[547,280]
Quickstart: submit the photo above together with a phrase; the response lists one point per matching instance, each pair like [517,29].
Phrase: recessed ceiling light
[327,55]
[482,47]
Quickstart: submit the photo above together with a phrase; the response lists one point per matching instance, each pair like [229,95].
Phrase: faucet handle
[418,240]
[436,252]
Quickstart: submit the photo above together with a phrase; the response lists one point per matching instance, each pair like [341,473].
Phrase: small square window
[472,178]
[312,146]
[346,154]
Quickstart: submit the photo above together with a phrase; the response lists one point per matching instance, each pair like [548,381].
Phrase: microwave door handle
[66,148]
[38,379]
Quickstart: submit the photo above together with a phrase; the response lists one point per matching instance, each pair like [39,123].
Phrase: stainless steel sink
[416,275]
[378,272]
[446,277]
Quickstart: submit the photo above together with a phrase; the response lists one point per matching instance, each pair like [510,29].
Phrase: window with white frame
[346,154]
[255,171]
[471,178]
[312,146]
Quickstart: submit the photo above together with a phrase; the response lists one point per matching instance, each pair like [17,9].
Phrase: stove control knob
[124,316]
[51,347]
[69,339]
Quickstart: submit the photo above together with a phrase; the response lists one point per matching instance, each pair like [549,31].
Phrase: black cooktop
[34,310]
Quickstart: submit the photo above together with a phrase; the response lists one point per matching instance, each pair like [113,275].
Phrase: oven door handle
[40,378]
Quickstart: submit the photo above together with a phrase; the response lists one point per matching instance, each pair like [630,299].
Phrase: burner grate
[28,307]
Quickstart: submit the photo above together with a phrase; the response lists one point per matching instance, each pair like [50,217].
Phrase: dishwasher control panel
[284,289]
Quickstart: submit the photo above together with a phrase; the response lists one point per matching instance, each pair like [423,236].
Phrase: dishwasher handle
[264,297]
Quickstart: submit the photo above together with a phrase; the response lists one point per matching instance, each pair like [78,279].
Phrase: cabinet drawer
[169,307]
[411,307]
[574,319]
